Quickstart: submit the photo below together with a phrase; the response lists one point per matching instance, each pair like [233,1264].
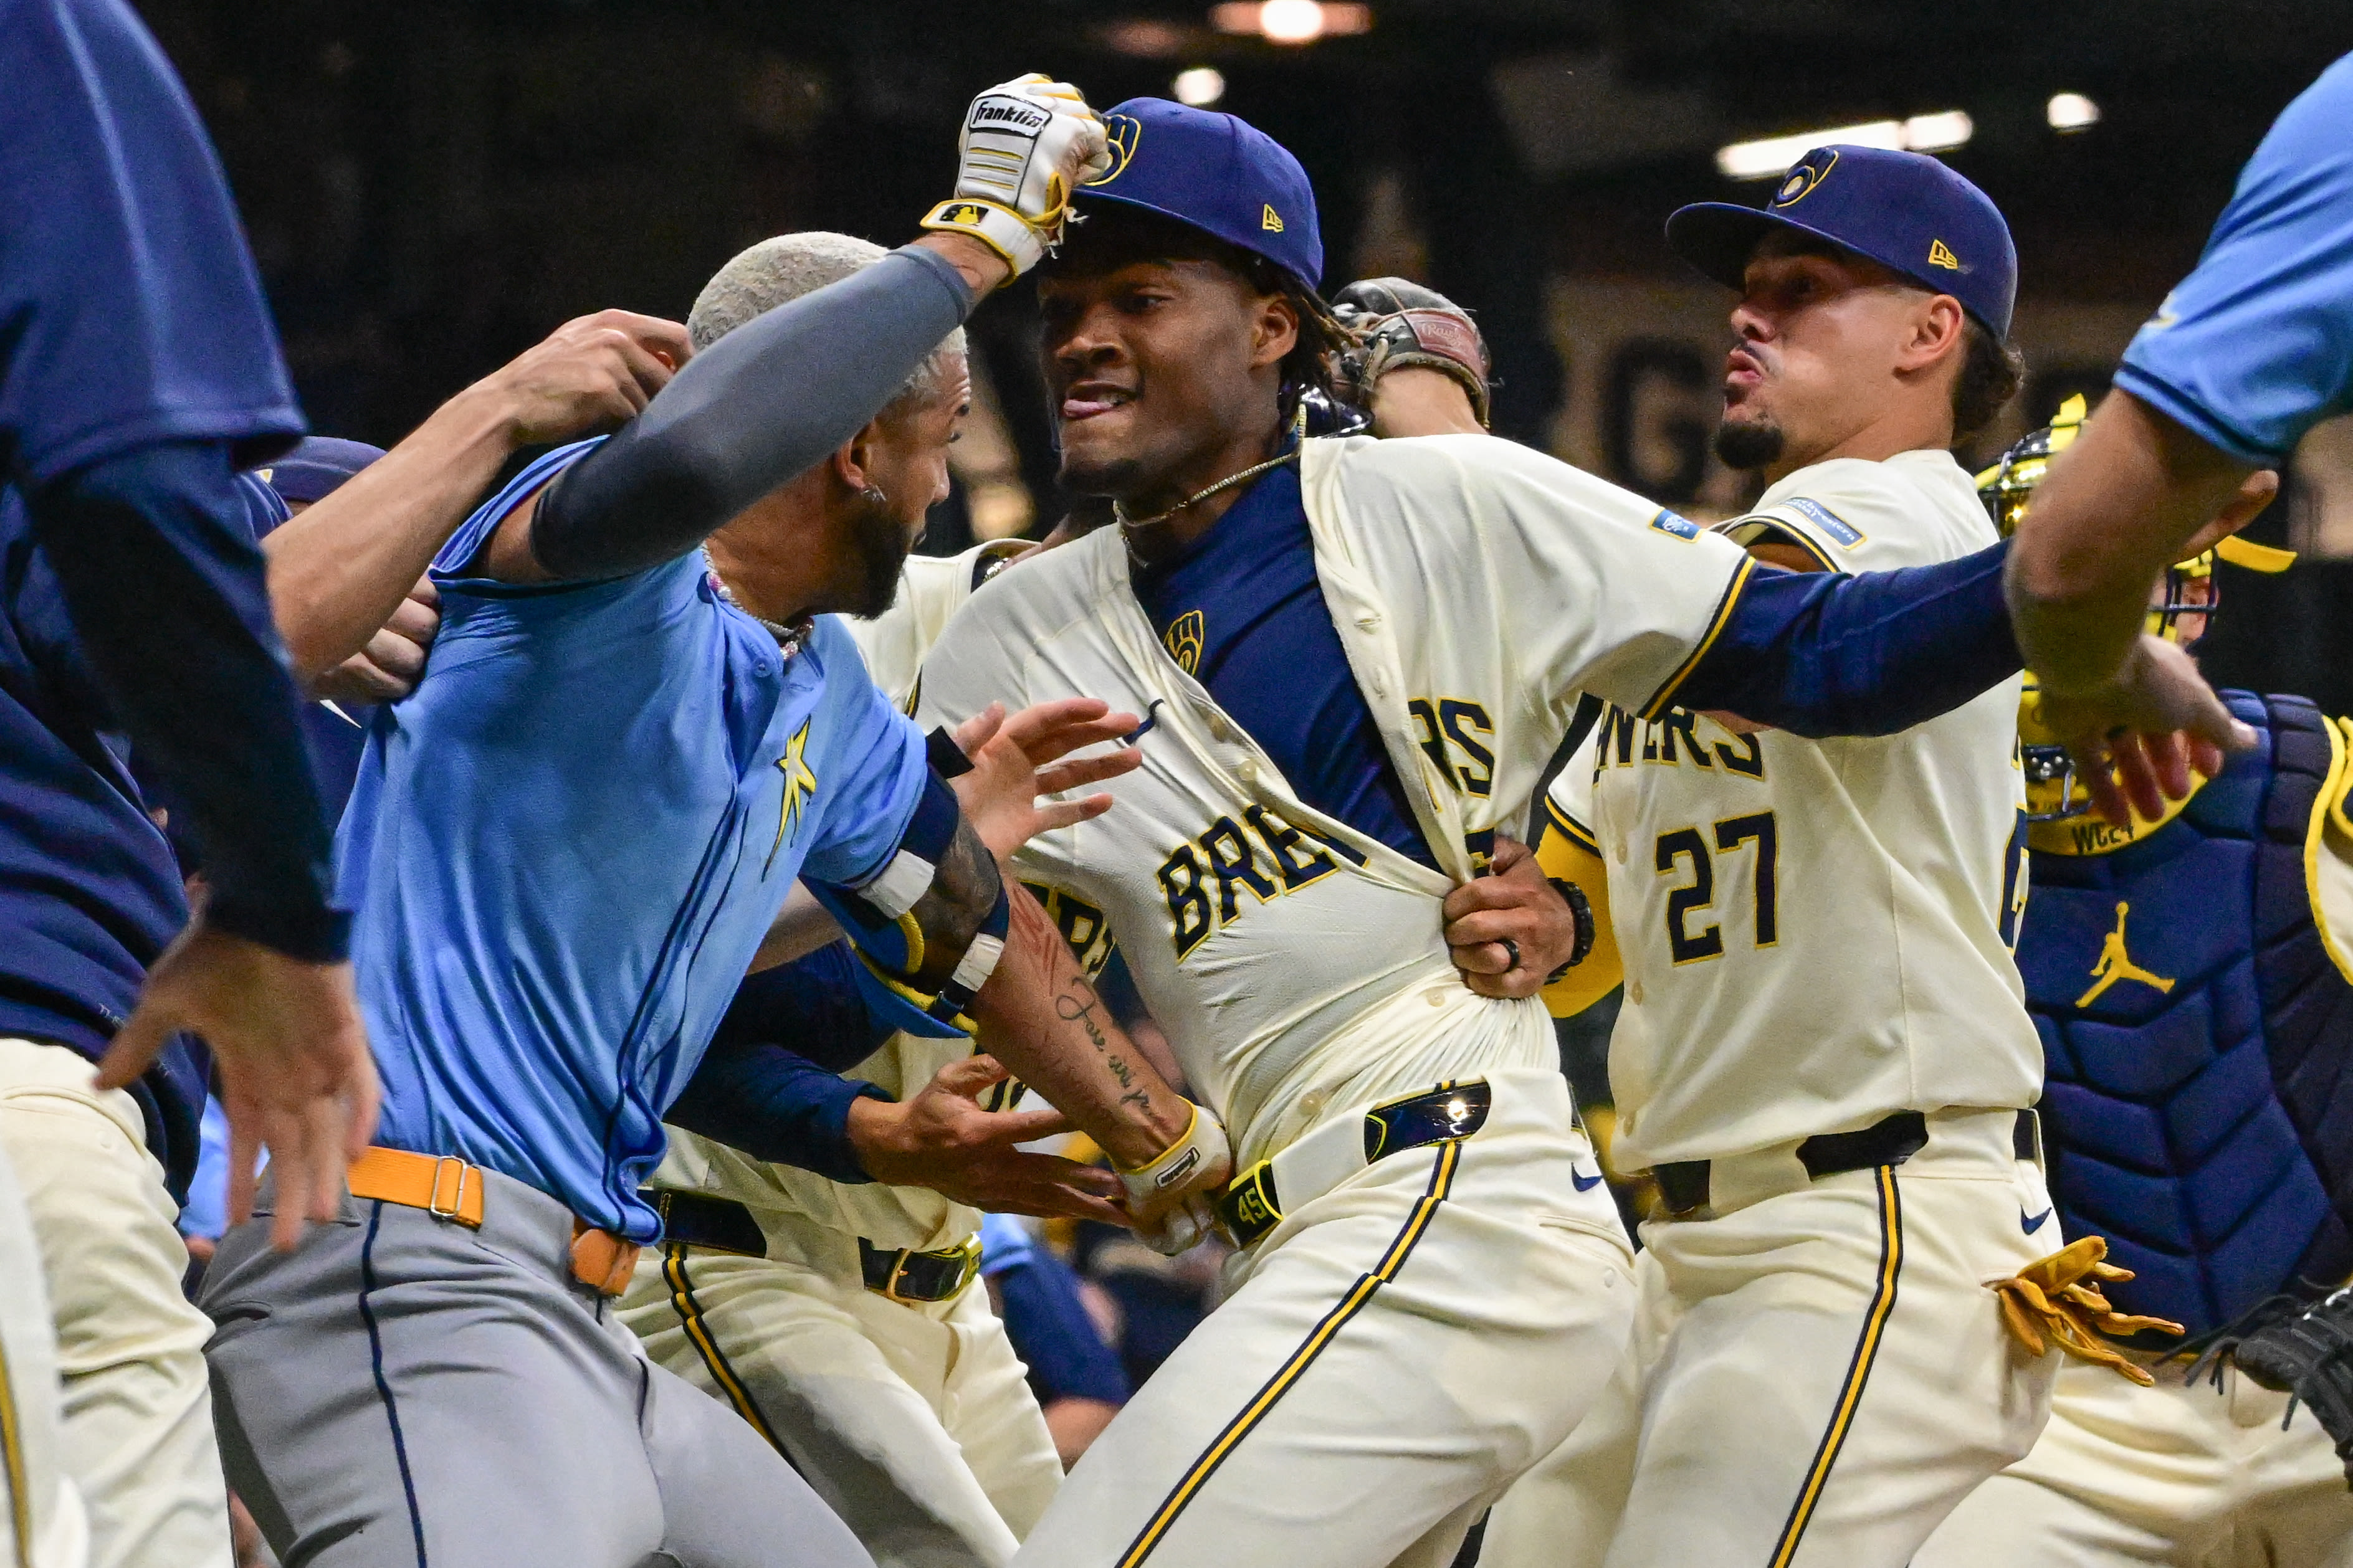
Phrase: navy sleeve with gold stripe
[1820,655]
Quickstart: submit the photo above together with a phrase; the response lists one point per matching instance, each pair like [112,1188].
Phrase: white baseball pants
[1389,1358]
[2185,1476]
[1818,1376]
[135,1430]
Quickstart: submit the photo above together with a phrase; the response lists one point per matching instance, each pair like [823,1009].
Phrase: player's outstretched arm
[1832,655]
[345,567]
[770,399]
[983,958]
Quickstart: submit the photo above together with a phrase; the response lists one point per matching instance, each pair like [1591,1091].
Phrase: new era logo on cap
[1939,256]
[1269,220]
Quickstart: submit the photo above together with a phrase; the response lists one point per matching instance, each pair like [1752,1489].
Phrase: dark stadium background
[431,186]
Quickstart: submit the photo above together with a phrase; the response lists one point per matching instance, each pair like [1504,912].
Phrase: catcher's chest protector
[2197,1035]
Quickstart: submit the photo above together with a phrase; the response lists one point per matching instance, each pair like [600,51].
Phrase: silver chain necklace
[789,636]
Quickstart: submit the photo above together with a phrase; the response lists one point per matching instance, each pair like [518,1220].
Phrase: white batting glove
[1025,147]
[1201,1159]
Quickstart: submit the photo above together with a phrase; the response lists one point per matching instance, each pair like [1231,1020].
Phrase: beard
[1747,444]
[881,539]
[1104,477]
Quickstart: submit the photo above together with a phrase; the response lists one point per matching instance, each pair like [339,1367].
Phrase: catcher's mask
[2180,610]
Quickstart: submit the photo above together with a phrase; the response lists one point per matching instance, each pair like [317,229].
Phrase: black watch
[1581,909]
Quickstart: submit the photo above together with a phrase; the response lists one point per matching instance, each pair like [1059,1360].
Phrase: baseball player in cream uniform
[1432,1286]
[1823,1053]
[845,1321]
[43,1524]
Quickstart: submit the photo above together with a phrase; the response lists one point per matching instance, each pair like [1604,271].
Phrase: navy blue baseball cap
[316,466]
[1218,174]
[1904,210]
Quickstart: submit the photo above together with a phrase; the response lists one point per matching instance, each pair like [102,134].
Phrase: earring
[872,496]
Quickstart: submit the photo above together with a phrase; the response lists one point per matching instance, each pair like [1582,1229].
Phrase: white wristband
[999,228]
[1204,1142]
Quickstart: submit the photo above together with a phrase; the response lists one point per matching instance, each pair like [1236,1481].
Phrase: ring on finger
[1511,952]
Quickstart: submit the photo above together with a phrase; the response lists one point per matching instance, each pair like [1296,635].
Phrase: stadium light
[2071,111]
[1200,87]
[1291,21]
[1766,157]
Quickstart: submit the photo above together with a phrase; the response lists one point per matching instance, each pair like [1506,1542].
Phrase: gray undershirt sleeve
[761,405]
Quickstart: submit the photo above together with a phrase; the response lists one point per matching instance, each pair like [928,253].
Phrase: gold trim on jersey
[1858,1371]
[1663,699]
[1763,529]
[12,1459]
[714,1361]
[1575,832]
[1196,1475]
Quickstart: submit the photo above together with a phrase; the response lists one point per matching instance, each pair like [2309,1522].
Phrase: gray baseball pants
[403,1392]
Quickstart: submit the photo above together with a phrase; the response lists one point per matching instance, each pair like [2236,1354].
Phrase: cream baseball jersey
[932,589]
[1296,964]
[1815,934]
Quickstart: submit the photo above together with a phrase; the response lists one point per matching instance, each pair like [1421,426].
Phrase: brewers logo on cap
[1123,131]
[1804,176]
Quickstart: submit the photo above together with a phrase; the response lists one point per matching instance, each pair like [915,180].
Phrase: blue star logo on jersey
[800,784]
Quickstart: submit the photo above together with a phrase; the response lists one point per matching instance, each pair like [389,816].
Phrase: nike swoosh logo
[1584,1183]
[1151,717]
[2030,1226]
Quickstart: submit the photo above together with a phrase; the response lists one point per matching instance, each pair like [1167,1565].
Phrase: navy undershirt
[1270,655]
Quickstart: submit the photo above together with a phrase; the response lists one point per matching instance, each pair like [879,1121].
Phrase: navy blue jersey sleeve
[2255,346]
[771,1085]
[129,311]
[1818,653]
[774,1105]
[813,1005]
[154,554]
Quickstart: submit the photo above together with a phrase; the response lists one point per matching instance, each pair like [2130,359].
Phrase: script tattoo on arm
[1078,1005]
[1041,1016]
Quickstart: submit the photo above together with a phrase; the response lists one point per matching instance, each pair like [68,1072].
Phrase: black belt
[1682,1183]
[693,1219]
[1249,1207]
[722,1225]
[910,1277]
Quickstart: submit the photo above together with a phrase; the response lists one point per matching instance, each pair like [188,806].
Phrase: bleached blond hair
[786,266]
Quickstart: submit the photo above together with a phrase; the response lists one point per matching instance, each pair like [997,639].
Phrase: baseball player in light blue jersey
[2252,349]
[566,849]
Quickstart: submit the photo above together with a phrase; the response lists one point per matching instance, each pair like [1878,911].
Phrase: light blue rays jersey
[2255,347]
[566,846]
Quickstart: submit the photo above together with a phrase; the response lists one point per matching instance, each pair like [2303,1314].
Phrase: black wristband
[948,758]
[1581,909]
